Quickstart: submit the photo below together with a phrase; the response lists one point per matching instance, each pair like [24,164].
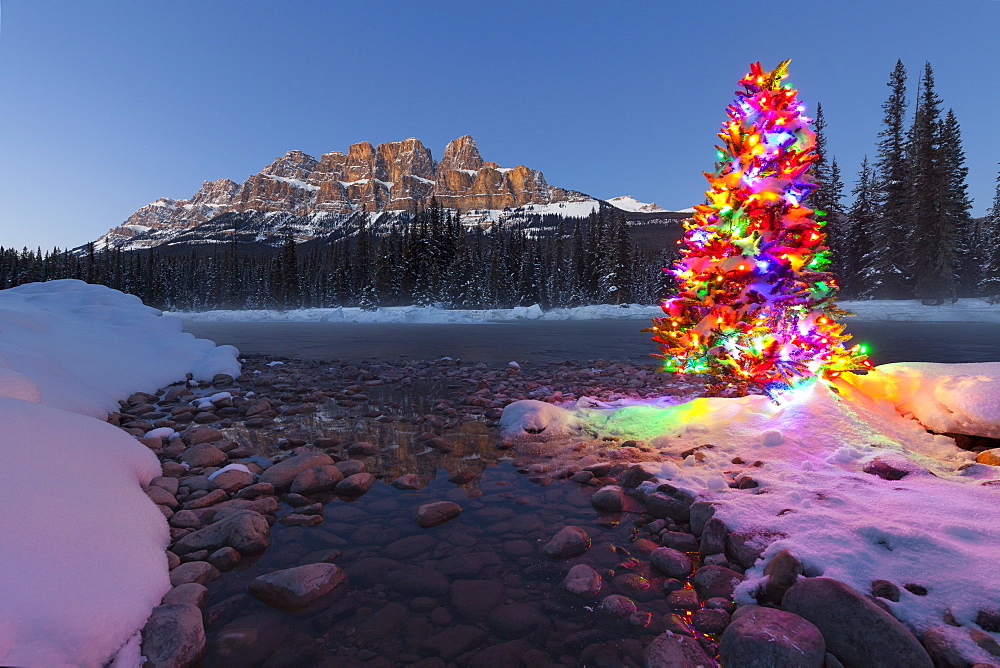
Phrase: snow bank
[965,310]
[948,398]
[81,545]
[937,527]
[84,346]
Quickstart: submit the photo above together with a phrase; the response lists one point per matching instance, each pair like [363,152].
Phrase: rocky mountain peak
[461,153]
[392,176]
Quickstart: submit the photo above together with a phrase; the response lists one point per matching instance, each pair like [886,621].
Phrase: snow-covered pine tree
[990,282]
[932,244]
[887,262]
[958,206]
[863,218]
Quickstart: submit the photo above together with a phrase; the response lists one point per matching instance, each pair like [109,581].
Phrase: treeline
[908,232]
[431,259]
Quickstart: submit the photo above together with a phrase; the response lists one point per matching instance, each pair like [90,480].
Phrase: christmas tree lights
[754,307]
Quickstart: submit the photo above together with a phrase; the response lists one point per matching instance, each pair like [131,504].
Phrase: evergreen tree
[888,263]
[754,306]
[958,206]
[932,245]
[990,282]
[856,249]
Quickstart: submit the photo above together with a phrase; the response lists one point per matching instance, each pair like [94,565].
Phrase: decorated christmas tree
[754,306]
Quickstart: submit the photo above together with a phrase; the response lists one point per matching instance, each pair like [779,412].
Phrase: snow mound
[85,346]
[848,479]
[82,545]
[947,398]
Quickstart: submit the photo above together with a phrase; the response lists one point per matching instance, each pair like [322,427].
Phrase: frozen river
[548,340]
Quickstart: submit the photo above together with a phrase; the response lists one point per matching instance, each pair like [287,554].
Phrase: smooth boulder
[857,631]
[298,587]
[245,530]
[759,637]
[174,636]
[673,650]
[283,473]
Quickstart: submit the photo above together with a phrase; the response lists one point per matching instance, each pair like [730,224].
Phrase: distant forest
[431,259]
[907,234]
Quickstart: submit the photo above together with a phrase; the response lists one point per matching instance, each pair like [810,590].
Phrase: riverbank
[402,530]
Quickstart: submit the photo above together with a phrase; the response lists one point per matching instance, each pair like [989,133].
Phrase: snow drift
[82,546]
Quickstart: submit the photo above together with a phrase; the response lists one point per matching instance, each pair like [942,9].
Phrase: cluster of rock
[220,512]
[394,176]
[799,620]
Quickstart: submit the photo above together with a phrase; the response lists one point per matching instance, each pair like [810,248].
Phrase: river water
[548,340]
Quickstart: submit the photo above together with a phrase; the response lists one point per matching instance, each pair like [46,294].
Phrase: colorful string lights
[754,307]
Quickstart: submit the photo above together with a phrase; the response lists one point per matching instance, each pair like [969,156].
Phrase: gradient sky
[106,106]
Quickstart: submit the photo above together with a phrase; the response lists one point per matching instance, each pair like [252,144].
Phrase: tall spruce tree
[958,206]
[990,281]
[863,218]
[888,261]
[932,244]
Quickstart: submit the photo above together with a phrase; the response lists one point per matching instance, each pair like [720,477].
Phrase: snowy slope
[629,203]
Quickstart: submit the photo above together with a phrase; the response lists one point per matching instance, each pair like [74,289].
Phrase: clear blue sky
[105,106]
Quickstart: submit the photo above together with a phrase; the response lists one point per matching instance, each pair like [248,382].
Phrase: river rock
[298,587]
[432,514]
[474,599]
[188,593]
[418,581]
[174,636]
[409,481]
[454,641]
[715,582]
[701,512]
[245,530]
[233,480]
[713,537]
[570,541]
[582,580]
[782,572]
[609,499]
[248,640]
[672,563]
[761,637]
[746,547]
[856,630]
[201,572]
[669,502]
[515,620]
[673,650]
[200,435]
[940,643]
[355,485]
[202,455]
[316,479]
[362,449]
[283,473]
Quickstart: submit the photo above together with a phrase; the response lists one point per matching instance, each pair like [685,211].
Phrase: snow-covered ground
[965,310]
[937,527]
[82,547]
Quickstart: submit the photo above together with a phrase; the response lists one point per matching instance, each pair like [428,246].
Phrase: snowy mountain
[629,203]
[315,198]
